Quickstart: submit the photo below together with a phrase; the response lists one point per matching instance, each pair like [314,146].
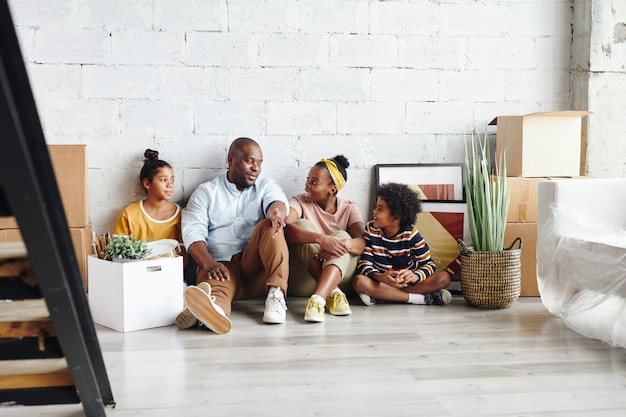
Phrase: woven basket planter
[491,279]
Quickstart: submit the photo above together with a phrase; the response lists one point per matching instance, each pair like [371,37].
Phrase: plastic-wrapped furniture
[581,255]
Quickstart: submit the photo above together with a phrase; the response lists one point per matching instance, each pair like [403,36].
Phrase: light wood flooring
[385,360]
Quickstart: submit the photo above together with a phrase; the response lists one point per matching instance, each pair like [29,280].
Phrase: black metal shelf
[28,190]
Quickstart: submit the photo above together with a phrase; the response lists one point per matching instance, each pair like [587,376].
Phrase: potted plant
[126,248]
[490,273]
[486,194]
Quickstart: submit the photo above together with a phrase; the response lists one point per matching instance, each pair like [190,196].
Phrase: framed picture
[441,225]
[432,182]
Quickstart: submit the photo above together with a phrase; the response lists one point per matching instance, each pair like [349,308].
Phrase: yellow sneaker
[314,311]
[338,304]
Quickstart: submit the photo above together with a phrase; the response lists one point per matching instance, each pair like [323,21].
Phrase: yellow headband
[335,174]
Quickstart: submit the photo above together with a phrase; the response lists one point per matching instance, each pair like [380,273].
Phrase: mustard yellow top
[135,221]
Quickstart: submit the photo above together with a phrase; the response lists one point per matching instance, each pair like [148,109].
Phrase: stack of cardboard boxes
[540,146]
[70,167]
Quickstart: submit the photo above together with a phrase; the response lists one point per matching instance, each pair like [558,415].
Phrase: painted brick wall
[377,81]
[599,82]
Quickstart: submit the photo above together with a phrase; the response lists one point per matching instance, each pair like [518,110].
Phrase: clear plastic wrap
[581,272]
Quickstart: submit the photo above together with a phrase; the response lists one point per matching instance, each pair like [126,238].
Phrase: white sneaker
[275,307]
[367,300]
[202,305]
[186,319]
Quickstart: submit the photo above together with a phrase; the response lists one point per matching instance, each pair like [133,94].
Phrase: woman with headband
[325,236]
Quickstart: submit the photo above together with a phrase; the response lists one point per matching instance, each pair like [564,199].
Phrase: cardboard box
[81,239]
[524,197]
[135,295]
[541,144]
[528,233]
[70,168]
[523,193]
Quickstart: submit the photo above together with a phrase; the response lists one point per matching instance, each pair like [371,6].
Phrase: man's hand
[278,222]
[217,271]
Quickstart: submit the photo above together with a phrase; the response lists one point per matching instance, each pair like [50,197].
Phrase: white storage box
[135,295]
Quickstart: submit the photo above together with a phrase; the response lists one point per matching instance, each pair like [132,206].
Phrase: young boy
[396,264]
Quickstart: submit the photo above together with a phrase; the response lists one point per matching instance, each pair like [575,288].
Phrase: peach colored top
[346,215]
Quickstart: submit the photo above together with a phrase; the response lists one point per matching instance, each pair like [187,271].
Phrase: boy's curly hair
[403,202]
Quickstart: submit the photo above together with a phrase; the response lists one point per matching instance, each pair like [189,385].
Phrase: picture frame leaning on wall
[443,219]
[432,182]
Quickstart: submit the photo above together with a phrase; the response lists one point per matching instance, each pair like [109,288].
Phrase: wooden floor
[385,360]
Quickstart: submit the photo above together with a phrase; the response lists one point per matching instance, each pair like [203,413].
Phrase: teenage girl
[154,217]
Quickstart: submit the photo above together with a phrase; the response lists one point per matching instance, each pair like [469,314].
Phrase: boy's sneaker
[438,298]
[314,311]
[367,300]
[338,304]
[202,305]
[185,319]
[275,307]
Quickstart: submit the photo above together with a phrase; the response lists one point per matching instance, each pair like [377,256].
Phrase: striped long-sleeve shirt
[406,250]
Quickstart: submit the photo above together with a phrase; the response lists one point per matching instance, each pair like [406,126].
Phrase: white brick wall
[405,18]
[118,82]
[265,84]
[185,15]
[294,50]
[603,72]
[378,81]
[323,16]
[54,13]
[373,51]
[371,117]
[261,16]
[71,46]
[50,81]
[294,118]
[156,117]
[192,83]
[404,85]
[230,118]
[140,47]
[115,14]
[80,117]
[222,49]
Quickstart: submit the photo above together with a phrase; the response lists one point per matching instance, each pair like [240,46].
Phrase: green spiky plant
[127,247]
[486,193]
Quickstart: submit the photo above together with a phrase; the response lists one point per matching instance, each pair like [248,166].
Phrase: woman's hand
[331,247]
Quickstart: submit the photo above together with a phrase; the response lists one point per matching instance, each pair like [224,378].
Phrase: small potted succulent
[126,249]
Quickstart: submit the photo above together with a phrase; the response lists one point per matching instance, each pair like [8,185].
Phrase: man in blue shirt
[232,227]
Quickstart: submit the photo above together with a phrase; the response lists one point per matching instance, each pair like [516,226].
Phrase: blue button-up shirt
[224,217]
